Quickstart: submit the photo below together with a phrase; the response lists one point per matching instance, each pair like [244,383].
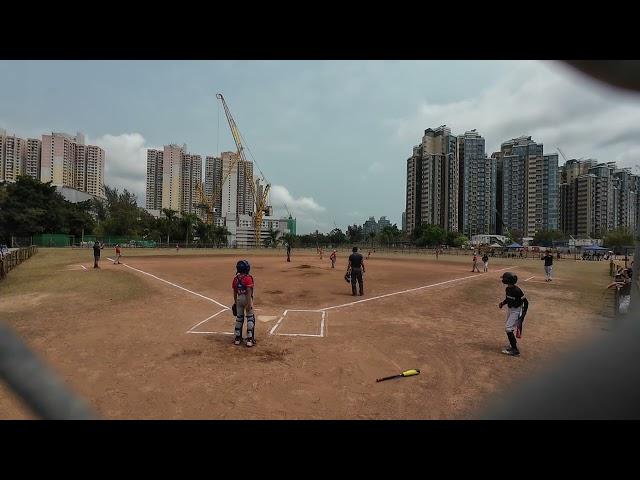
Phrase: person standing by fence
[485,262]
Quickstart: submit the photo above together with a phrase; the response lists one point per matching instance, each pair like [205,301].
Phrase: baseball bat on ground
[406,373]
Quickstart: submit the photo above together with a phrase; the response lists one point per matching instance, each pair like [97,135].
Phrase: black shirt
[548,260]
[513,296]
[485,259]
[356,260]
[96,250]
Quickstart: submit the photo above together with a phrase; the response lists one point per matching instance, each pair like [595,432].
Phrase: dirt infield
[152,339]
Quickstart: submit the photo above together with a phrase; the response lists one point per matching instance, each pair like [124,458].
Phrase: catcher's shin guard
[239,322]
[251,323]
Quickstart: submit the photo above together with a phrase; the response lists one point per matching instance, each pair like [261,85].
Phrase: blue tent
[594,247]
[514,245]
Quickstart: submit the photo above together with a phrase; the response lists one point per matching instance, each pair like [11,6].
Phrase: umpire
[356,266]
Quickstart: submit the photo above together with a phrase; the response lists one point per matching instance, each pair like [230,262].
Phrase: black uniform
[356,261]
[96,255]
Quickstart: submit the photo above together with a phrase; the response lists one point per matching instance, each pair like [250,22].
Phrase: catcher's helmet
[509,278]
[243,266]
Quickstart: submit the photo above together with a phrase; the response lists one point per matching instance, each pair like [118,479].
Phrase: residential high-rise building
[172,177]
[477,186]
[32,162]
[382,223]
[432,181]
[499,222]
[370,226]
[529,187]
[13,151]
[153,197]
[404,221]
[66,161]
[191,177]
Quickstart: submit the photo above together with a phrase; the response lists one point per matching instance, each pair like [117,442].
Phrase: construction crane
[260,194]
[562,153]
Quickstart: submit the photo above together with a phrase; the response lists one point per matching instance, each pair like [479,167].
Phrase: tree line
[29,207]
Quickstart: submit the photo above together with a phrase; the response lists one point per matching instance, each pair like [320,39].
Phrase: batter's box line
[322,322]
[191,330]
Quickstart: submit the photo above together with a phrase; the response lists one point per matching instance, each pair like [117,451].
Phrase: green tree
[289,239]
[336,237]
[354,233]
[617,239]
[187,222]
[272,239]
[170,218]
[546,238]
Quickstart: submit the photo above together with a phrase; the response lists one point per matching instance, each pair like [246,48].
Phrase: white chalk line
[173,284]
[530,278]
[216,333]
[322,322]
[83,267]
[205,320]
[412,290]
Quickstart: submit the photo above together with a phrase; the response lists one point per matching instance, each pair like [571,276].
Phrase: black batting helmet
[509,278]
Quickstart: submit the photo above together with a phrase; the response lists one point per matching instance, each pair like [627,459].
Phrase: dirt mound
[274,292]
[304,265]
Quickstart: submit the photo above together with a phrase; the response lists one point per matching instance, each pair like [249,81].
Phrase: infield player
[243,287]
[118,254]
[517,305]
[96,254]
[475,264]
[485,262]
[332,257]
[548,266]
[356,267]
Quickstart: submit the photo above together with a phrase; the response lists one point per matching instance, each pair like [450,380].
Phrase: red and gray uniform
[241,283]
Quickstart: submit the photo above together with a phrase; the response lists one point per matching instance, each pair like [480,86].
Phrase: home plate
[267,318]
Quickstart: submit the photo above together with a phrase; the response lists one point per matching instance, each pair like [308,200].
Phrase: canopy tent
[514,245]
[596,248]
[495,245]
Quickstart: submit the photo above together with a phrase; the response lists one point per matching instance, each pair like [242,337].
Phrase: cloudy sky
[332,137]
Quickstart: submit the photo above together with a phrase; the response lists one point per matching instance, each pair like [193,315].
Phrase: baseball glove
[234,309]
[347,277]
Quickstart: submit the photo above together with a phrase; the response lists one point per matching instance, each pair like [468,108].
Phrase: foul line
[411,290]
[173,284]
[83,266]
[530,278]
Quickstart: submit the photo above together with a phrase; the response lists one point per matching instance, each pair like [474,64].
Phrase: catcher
[243,287]
[518,306]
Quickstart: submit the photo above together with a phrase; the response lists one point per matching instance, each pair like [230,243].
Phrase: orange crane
[261,195]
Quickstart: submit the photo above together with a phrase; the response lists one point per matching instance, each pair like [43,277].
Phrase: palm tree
[372,236]
[273,238]
[171,215]
[187,221]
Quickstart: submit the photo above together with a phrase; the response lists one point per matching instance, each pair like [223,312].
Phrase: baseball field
[152,338]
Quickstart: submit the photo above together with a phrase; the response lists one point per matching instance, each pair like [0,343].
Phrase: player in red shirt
[118,254]
[243,286]
[332,257]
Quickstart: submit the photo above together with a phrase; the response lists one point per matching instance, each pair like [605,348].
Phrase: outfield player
[288,252]
[118,254]
[548,266]
[243,287]
[517,305]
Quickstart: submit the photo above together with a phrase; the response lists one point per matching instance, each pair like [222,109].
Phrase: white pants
[512,318]
[486,266]
[548,270]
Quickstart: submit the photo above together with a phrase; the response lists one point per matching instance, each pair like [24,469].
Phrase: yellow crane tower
[260,193]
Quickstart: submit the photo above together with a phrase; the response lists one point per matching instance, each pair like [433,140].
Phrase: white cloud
[553,104]
[125,162]
[280,196]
